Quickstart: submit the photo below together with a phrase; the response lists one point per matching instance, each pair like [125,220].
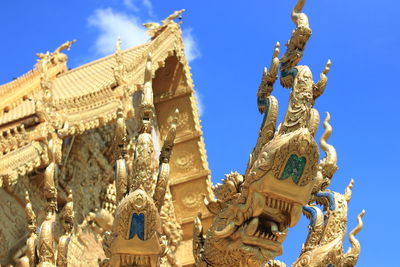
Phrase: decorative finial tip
[118,43]
[327,67]
[328,117]
[276,50]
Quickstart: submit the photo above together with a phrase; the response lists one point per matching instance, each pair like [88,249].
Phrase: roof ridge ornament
[154,28]
[55,58]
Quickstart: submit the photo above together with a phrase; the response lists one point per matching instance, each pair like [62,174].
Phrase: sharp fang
[252,227]
[227,231]
[274,227]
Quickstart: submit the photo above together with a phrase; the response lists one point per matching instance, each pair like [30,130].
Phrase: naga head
[253,213]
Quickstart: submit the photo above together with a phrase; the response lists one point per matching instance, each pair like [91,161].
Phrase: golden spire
[164,168]
[118,55]
[147,105]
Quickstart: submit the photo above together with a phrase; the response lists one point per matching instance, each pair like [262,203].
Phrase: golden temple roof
[50,99]
[74,87]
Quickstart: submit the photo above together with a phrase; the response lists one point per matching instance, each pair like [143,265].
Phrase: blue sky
[228,44]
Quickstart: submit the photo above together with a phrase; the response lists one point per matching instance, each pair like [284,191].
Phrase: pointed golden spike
[147,100]
[147,104]
[327,67]
[319,87]
[268,80]
[348,192]
[329,163]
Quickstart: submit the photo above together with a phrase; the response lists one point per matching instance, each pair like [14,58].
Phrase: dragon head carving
[253,212]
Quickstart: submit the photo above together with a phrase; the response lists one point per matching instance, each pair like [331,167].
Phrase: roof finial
[173,16]
[154,28]
[118,44]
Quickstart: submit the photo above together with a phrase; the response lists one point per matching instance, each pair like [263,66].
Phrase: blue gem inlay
[137,226]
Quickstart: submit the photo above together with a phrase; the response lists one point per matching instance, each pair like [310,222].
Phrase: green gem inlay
[294,168]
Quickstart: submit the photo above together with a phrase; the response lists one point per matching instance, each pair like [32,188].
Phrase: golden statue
[136,236]
[105,165]
[253,212]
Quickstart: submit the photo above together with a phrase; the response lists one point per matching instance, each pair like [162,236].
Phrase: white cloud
[135,6]
[149,6]
[191,49]
[129,4]
[113,24]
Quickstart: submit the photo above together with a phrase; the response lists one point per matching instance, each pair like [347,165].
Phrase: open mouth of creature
[268,230]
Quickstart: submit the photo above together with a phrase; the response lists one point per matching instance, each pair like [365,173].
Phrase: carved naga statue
[137,238]
[252,212]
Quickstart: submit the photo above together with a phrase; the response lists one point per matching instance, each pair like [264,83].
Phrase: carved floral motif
[185,161]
